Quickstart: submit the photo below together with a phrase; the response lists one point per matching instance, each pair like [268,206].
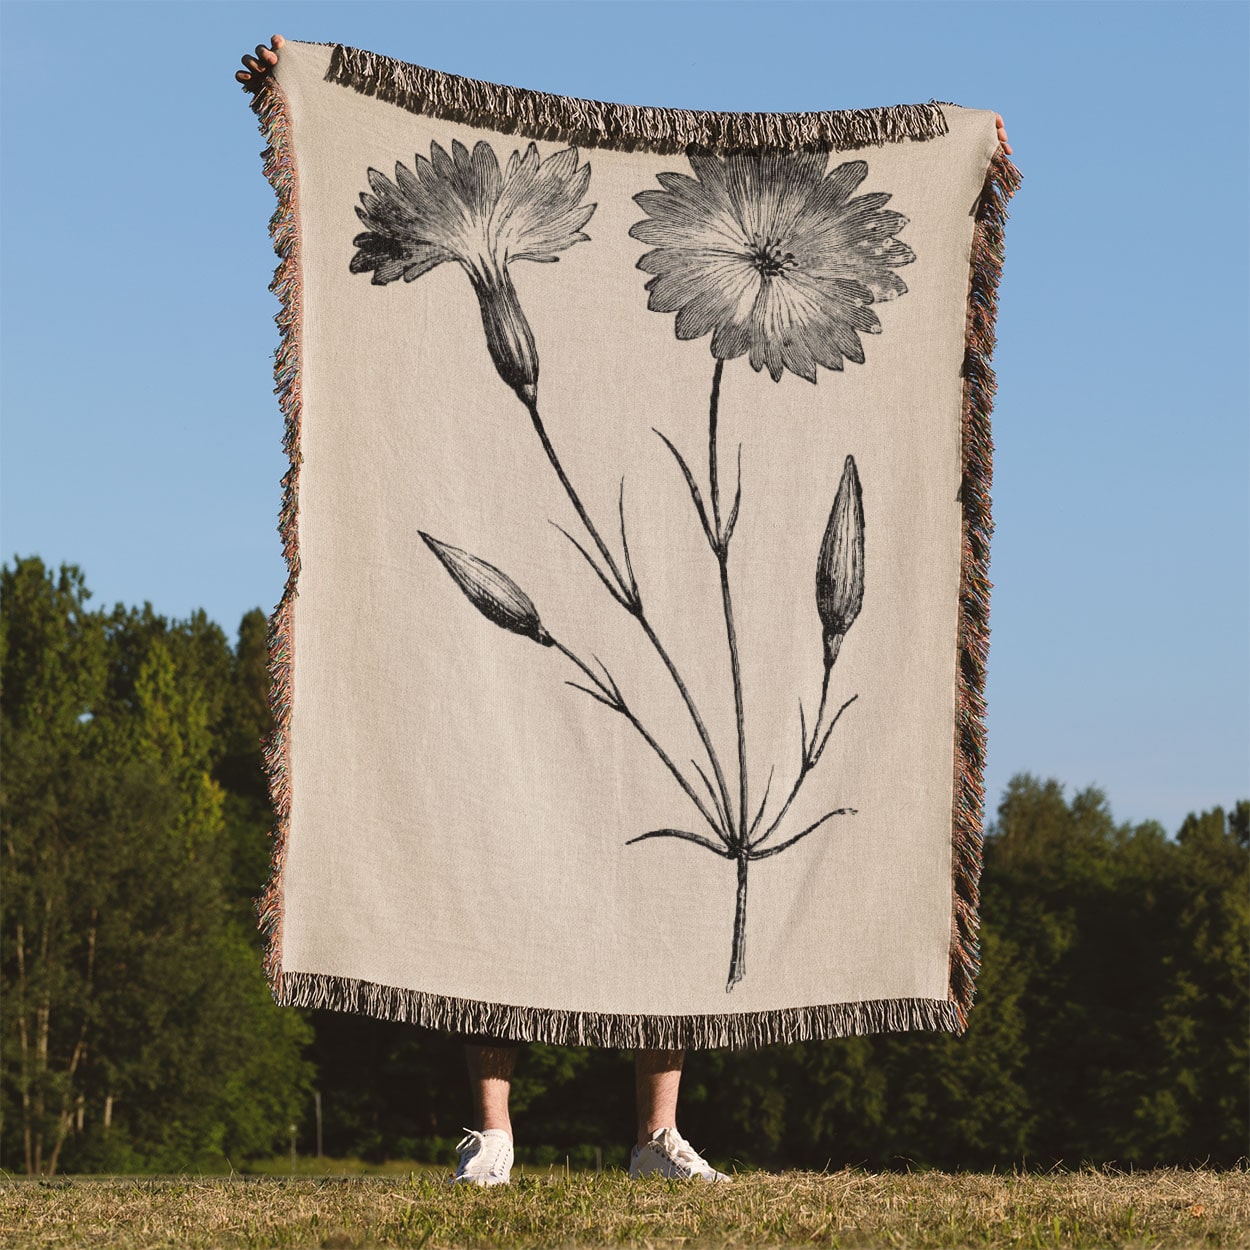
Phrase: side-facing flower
[772,255]
[461,207]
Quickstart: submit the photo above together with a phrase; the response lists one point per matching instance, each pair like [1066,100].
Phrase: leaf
[694,489]
[599,573]
[685,837]
[798,837]
[733,512]
[629,566]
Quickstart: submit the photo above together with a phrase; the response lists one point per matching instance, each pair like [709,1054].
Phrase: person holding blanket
[486,1152]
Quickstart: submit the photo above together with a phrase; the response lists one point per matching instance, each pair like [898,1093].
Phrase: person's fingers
[260,63]
[1002,133]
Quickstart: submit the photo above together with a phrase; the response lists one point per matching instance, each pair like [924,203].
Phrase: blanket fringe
[741,1031]
[625,127]
[269,104]
[1001,182]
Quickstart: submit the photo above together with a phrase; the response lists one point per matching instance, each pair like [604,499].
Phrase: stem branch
[625,592]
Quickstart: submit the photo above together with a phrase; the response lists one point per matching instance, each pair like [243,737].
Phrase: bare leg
[657,1078]
[490,1081]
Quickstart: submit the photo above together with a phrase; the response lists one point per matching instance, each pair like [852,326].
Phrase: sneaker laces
[682,1152]
[473,1144]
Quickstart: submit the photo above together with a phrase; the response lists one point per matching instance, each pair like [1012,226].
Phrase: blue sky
[141,439]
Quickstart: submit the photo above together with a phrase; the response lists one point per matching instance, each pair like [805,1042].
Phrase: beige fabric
[459,814]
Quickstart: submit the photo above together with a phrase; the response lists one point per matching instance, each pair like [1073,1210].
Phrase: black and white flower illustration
[463,208]
[772,256]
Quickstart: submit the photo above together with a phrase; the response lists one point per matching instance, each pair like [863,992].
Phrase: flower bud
[495,595]
[840,569]
[509,338]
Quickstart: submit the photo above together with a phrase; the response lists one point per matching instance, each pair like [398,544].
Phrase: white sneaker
[668,1153]
[485,1158]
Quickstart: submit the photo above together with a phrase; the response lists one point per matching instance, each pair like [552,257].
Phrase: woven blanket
[627,679]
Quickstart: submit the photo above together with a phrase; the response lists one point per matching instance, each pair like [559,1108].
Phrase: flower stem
[541,431]
[722,559]
[624,593]
[738,961]
[738,958]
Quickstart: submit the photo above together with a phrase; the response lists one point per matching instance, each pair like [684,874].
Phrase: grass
[308,1166]
[1161,1208]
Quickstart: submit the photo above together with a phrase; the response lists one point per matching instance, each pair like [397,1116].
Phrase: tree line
[137,1032]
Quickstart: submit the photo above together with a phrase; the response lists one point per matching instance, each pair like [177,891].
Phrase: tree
[1198,1109]
[141,1032]
[245,722]
[52,672]
[1134,953]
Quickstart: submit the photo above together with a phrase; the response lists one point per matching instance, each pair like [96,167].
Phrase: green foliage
[138,1031]
[245,721]
[1135,947]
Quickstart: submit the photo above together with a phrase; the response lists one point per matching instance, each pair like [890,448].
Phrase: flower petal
[732,339]
[539,212]
[705,232]
[681,275]
[486,180]
[690,213]
[416,213]
[776,333]
[717,299]
[388,258]
[768,189]
[825,201]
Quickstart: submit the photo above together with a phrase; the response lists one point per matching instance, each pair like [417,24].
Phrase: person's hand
[258,65]
[998,117]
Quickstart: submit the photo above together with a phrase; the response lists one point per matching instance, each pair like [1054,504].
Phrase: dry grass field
[1163,1208]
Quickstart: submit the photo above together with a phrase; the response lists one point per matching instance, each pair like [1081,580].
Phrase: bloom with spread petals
[462,207]
[775,257]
